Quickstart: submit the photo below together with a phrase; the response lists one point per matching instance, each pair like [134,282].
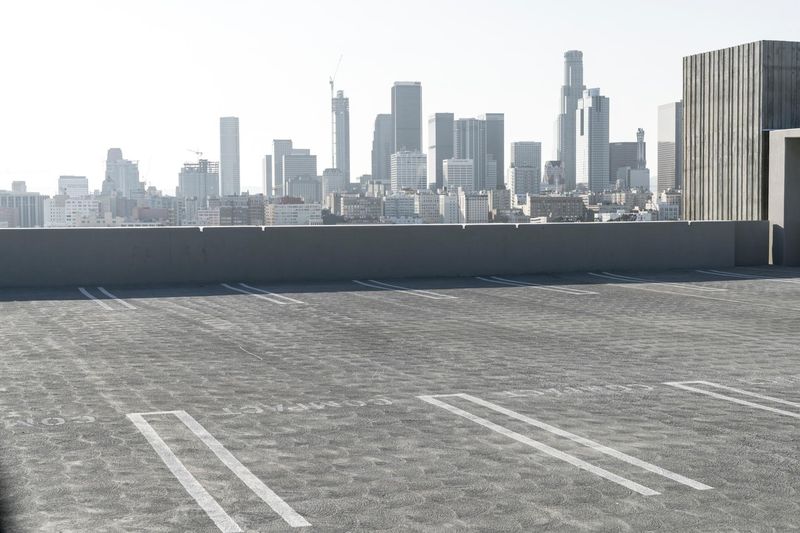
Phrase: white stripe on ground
[587,442]
[95,299]
[242,472]
[438,295]
[213,509]
[120,300]
[631,485]
[261,296]
[746,393]
[270,293]
[568,290]
[407,291]
[499,281]
[249,353]
[737,275]
[685,385]
[671,283]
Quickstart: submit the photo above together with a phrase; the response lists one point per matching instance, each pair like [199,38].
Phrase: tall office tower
[73,186]
[553,176]
[621,155]
[407,116]
[333,181]
[280,148]
[122,174]
[382,148]
[440,145]
[591,141]
[341,113]
[229,156]
[641,150]
[458,173]
[409,171]
[495,146]
[469,142]
[571,92]
[199,180]
[732,98]
[266,174]
[670,146]
[525,172]
[299,164]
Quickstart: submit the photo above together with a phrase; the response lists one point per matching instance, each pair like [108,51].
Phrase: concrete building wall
[784,197]
[731,96]
[126,256]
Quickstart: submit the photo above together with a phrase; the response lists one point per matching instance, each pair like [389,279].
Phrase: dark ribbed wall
[730,97]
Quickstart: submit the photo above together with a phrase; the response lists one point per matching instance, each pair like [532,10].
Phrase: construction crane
[198,153]
[332,80]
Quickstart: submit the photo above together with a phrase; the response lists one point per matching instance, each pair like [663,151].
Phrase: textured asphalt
[320,401]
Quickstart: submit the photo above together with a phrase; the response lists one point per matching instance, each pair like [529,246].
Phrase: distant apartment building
[199,180]
[399,207]
[591,134]
[409,171]
[426,207]
[459,174]
[440,146]
[670,146]
[229,163]
[72,212]
[448,208]
[356,208]
[473,207]
[558,208]
[292,214]
[22,209]
[525,173]
[731,99]
[73,186]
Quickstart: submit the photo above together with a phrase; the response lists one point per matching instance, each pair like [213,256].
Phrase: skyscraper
[73,186]
[459,173]
[670,146]
[440,145]
[382,148]
[621,155]
[495,146]
[299,164]
[641,150]
[469,142]
[591,141]
[122,174]
[229,156]
[525,172]
[732,98]
[199,180]
[571,92]
[341,113]
[408,171]
[266,174]
[407,116]
[280,148]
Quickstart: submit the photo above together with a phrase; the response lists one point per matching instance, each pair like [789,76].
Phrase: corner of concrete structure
[784,197]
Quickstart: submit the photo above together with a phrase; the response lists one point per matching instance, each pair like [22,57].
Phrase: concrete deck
[577,402]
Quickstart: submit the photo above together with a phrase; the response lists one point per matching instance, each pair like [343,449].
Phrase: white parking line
[736,275]
[292,300]
[120,300]
[587,442]
[670,283]
[250,293]
[207,502]
[96,300]
[397,288]
[223,521]
[687,385]
[631,485]
[515,283]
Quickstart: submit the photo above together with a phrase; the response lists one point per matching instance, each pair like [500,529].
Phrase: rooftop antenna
[332,80]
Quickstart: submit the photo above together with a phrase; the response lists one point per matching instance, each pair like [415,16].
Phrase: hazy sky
[153,76]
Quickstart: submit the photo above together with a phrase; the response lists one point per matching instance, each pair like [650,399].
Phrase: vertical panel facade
[731,97]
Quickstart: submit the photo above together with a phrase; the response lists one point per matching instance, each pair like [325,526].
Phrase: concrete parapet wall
[133,256]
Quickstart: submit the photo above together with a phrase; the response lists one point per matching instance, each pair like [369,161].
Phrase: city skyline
[74,122]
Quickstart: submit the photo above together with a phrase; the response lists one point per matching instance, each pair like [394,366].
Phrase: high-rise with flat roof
[732,98]
[670,146]
[280,148]
[266,176]
[440,145]
[459,174]
[409,171]
[382,148]
[73,186]
[469,142]
[199,180]
[341,113]
[591,141]
[407,116]
[495,147]
[571,92]
[229,156]
[525,172]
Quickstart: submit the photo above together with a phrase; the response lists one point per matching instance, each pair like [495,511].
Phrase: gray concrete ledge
[133,256]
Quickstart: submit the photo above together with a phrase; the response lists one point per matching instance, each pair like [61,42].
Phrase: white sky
[153,76]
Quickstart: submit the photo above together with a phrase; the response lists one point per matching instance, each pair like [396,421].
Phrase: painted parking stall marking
[374,284]
[207,502]
[632,279]
[737,275]
[104,302]
[705,385]
[515,283]
[261,294]
[601,472]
